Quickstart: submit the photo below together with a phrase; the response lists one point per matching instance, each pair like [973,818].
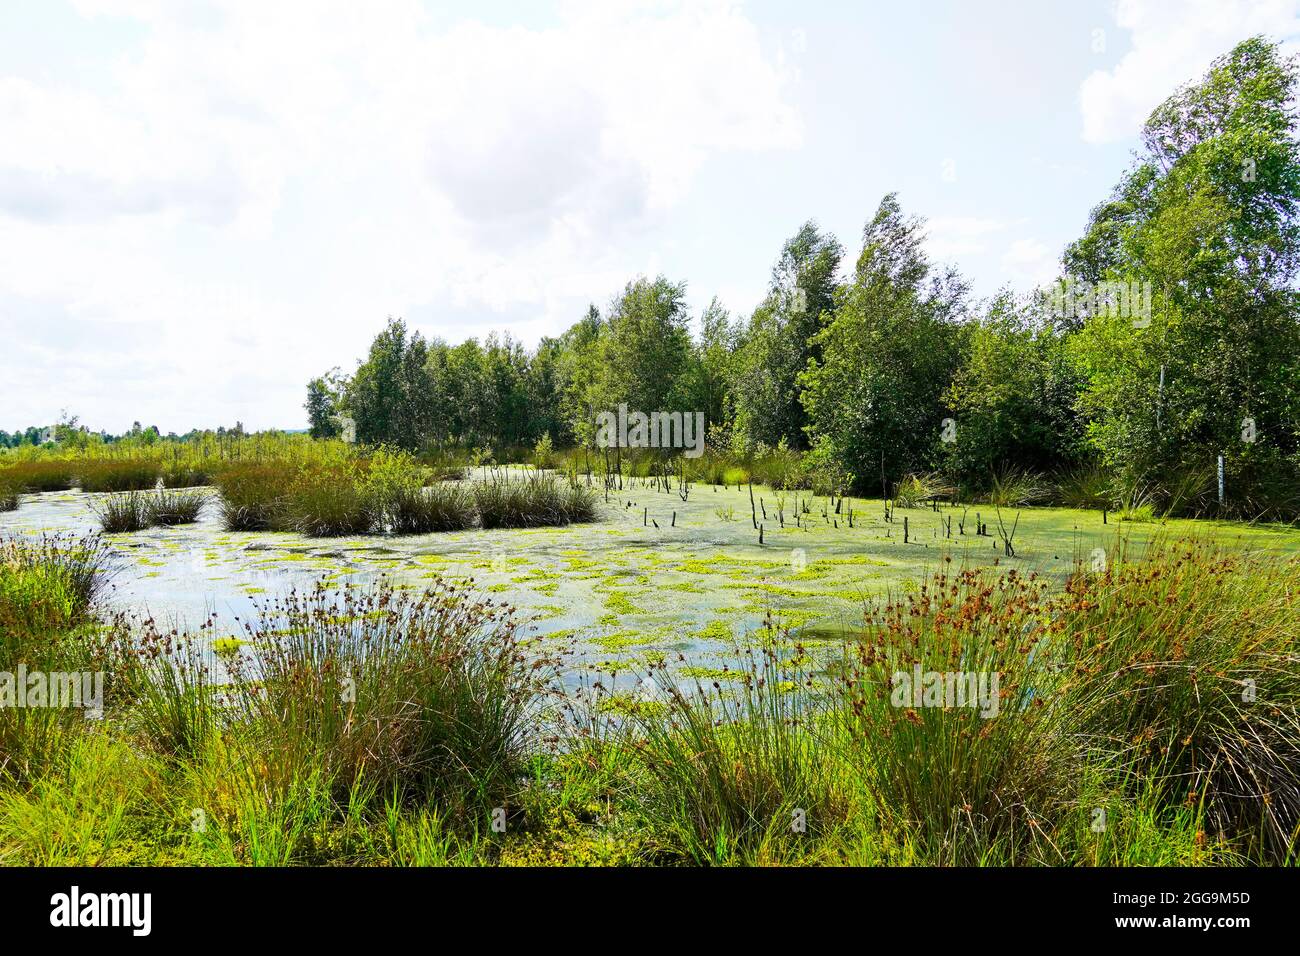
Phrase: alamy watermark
[1074,298]
[75,908]
[626,429]
[82,690]
[974,689]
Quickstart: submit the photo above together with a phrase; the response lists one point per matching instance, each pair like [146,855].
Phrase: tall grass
[960,779]
[254,496]
[378,724]
[330,503]
[47,588]
[1013,488]
[186,475]
[129,511]
[747,775]
[39,476]
[124,512]
[915,490]
[1086,487]
[1162,692]
[532,501]
[1185,667]
[97,476]
[170,507]
[9,495]
[426,695]
[390,492]
[445,506]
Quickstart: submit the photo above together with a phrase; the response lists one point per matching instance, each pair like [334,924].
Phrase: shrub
[9,498]
[544,452]
[823,473]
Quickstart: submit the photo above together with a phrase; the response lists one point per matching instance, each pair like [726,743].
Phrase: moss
[622,640]
[716,630]
[696,672]
[620,603]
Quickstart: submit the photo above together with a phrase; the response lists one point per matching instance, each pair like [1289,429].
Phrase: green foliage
[917,490]
[1011,398]
[47,588]
[876,396]
[1208,217]
[322,408]
[39,476]
[382,726]
[782,339]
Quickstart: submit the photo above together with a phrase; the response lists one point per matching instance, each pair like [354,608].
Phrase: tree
[1208,217]
[782,339]
[875,398]
[644,348]
[710,374]
[322,407]
[388,396]
[580,369]
[1012,396]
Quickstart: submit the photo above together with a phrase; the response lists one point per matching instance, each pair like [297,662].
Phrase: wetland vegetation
[945,582]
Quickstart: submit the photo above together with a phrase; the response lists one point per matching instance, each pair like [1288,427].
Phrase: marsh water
[622,590]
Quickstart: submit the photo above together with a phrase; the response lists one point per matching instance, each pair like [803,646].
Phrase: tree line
[886,366]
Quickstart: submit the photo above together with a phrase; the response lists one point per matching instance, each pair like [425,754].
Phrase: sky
[203,205]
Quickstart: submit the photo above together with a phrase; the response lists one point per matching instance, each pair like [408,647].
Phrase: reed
[39,476]
[169,507]
[532,501]
[254,496]
[124,512]
[331,503]
[112,476]
[441,507]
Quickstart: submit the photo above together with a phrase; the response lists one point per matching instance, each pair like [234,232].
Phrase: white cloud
[948,237]
[1173,42]
[272,179]
[1030,263]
